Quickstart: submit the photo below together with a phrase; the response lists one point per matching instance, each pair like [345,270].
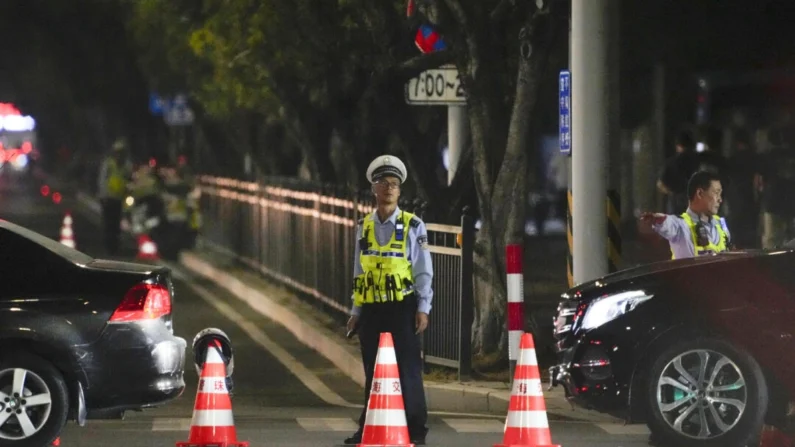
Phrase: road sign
[157,105]
[178,113]
[564,105]
[439,86]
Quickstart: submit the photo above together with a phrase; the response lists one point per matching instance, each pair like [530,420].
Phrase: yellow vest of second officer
[710,247]
[387,270]
[117,185]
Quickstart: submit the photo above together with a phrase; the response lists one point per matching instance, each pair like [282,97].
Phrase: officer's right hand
[352,322]
[653,218]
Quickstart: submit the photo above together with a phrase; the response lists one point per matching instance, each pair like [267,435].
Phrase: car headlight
[610,307]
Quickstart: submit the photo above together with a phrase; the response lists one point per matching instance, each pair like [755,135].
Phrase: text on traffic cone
[526,424]
[385,423]
[213,423]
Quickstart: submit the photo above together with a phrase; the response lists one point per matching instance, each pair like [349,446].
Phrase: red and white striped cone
[773,437]
[67,234]
[213,423]
[147,249]
[527,424]
[385,423]
[515,289]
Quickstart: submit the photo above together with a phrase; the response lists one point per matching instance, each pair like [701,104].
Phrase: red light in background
[56,198]
[152,162]
[27,147]
[45,190]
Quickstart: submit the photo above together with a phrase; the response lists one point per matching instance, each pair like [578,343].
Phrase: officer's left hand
[421,322]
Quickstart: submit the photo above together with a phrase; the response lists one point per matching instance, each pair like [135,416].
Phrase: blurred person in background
[777,185]
[677,171]
[114,173]
[742,195]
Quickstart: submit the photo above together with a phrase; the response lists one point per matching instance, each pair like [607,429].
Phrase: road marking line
[328,424]
[621,429]
[307,377]
[475,425]
[171,424]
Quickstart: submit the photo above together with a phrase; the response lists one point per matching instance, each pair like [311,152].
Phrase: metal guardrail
[303,237]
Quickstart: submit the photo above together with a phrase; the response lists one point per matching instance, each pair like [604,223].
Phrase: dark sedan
[701,349]
[80,338]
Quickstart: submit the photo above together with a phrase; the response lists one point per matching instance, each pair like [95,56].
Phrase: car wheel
[33,401]
[704,392]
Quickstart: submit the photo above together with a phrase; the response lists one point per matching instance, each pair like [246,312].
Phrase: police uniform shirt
[680,237]
[419,256]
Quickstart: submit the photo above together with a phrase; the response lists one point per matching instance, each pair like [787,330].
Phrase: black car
[80,338]
[700,349]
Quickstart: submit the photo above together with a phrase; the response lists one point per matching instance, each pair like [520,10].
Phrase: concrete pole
[456,138]
[590,136]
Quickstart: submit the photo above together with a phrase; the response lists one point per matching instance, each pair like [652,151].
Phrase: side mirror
[201,342]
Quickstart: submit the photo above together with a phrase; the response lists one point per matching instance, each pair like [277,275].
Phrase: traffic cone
[527,424]
[57,442]
[773,437]
[147,249]
[385,423]
[67,234]
[213,423]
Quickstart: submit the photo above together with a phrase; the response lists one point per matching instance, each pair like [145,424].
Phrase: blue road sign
[564,100]
[156,104]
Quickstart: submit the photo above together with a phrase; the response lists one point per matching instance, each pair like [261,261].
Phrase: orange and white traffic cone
[147,249]
[67,234]
[57,442]
[385,423]
[527,424]
[773,437]
[213,423]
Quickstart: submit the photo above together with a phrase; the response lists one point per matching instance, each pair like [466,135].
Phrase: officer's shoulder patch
[423,241]
[415,222]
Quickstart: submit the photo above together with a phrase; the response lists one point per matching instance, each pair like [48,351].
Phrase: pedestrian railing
[303,236]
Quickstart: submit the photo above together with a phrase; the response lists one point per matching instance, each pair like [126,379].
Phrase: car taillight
[143,302]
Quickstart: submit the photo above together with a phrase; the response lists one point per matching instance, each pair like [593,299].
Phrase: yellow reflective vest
[387,271]
[709,248]
[117,182]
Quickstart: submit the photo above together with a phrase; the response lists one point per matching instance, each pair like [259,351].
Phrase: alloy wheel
[701,394]
[25,403]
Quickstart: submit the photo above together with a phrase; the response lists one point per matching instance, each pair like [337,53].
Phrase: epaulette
[415,222]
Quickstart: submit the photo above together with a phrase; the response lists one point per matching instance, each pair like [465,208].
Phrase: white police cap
[386,165]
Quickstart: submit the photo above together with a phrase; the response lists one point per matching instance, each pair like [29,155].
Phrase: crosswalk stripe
[475,425]
[621,429]
[328,424]
[171,424]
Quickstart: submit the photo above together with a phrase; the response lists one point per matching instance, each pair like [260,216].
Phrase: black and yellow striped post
[613,230]
[570,241]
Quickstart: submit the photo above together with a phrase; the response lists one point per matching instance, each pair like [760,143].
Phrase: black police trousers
[399,319]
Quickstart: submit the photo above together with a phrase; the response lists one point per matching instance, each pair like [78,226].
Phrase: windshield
[59,249]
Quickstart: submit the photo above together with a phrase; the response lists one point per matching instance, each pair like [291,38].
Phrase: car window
[53,246]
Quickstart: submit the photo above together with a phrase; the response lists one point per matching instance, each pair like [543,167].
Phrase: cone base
[384,445]
[213,444]
[526,445]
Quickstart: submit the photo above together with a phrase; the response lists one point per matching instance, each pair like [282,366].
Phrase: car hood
[123,267]
[658,268]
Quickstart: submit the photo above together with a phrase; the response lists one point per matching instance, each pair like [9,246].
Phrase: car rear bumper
[135,367]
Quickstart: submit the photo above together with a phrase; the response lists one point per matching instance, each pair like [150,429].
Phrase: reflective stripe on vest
[387,270]
[709,248]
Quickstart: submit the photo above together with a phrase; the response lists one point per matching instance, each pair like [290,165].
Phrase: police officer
[112,184]
[699,230]
[392,290]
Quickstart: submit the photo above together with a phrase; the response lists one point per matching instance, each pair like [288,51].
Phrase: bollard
[515,289]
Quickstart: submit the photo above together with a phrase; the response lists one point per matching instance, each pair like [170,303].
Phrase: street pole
[456,137]
[590,132]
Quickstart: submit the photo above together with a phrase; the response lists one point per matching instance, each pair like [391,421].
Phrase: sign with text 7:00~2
[438,86]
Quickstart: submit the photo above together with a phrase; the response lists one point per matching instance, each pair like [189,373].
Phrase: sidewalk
[323,334]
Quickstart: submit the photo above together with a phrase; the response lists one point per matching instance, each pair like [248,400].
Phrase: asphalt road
[285,394]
